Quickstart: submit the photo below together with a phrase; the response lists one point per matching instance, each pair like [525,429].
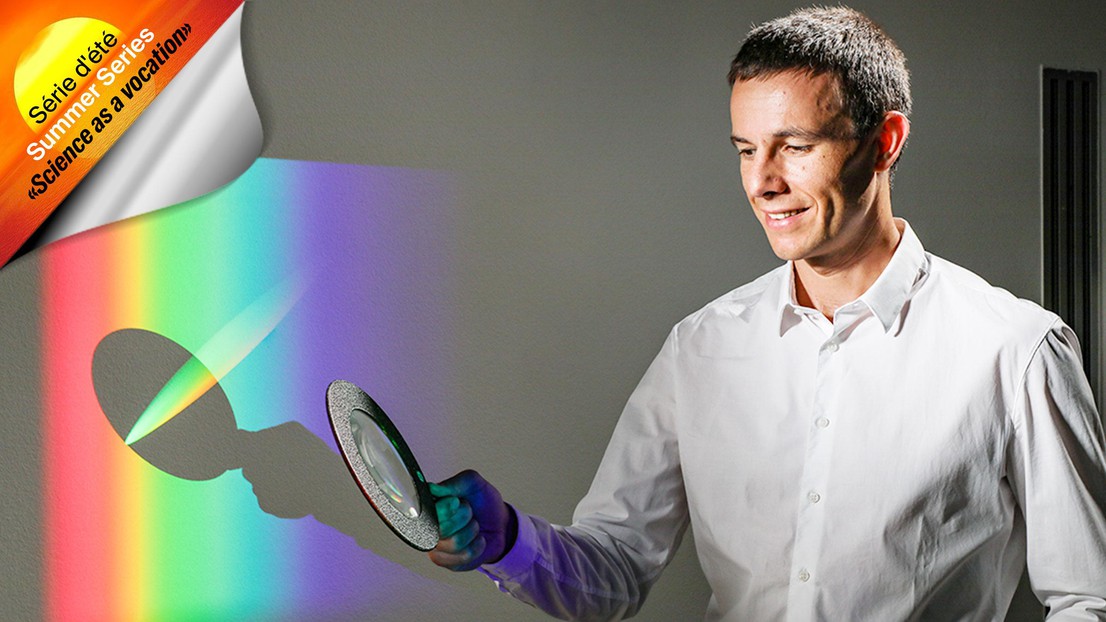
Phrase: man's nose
[763,177]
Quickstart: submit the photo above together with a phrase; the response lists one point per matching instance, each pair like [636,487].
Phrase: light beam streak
[219,355]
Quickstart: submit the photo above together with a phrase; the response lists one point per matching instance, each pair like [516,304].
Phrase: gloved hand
[476,526]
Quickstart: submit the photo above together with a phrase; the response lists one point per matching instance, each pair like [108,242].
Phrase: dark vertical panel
[1090,193]
[1049,192]
[1069,102]
[1060,208]
[1076,211]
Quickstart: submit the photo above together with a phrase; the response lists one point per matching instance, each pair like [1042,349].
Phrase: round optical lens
[384,463]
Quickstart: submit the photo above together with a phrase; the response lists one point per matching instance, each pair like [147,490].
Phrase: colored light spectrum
[219,355]
[123,540]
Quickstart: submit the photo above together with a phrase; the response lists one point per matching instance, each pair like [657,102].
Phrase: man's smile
[784,219]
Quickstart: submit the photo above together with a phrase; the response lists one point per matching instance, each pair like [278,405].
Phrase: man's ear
[890,140]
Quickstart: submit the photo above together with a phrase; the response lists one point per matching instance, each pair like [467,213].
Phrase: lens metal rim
[420,532]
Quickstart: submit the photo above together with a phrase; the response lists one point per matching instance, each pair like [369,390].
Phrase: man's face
[810,182]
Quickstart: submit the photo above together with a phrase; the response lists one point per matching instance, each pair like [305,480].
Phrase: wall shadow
[294,474]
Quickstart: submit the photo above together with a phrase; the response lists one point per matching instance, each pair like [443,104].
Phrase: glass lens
[384,463]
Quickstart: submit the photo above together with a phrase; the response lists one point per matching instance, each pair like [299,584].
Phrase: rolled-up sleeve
[1058,472]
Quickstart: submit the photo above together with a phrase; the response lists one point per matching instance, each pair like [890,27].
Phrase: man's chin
[795,245]
[786,252]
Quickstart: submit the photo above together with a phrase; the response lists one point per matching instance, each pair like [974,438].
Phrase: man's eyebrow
[794,132]
[803,134]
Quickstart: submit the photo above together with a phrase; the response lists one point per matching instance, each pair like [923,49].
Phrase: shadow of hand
[295,474]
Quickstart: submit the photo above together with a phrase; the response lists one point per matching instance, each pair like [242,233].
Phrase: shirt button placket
[810,525]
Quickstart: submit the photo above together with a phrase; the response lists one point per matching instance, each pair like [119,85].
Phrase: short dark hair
[869,68]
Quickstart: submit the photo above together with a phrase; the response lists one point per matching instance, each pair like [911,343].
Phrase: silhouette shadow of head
[293,472]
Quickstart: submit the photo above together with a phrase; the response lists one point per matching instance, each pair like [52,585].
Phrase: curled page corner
[200,133]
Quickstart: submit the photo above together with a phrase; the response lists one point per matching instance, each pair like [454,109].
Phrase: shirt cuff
[521,556]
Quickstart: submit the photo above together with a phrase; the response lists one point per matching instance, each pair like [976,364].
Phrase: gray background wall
[600,199]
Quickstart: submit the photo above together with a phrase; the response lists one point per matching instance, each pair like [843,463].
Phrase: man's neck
[828,287]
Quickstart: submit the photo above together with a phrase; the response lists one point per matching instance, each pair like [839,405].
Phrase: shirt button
[814,497]
[821,422]
[804,576]
[831,347]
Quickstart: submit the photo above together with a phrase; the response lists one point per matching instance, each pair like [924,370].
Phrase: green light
[219,355]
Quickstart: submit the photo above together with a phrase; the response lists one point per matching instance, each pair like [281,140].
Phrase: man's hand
[476,525]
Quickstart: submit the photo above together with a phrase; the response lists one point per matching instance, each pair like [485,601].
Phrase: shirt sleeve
[624,531]
[1058,472]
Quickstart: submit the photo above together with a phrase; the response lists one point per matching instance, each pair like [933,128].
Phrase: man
[866,433]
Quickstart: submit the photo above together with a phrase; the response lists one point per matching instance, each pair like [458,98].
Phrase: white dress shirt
[902,462]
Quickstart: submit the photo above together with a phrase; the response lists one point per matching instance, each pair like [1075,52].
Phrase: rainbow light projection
[123,540]
[222,353]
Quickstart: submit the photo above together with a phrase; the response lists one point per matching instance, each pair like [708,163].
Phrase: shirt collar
[885,297]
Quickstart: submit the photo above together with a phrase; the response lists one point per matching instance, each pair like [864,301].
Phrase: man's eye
[798,148]
[745,153]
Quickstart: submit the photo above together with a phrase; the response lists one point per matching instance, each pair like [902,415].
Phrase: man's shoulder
[761,294]
[753,292]
[973,300]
